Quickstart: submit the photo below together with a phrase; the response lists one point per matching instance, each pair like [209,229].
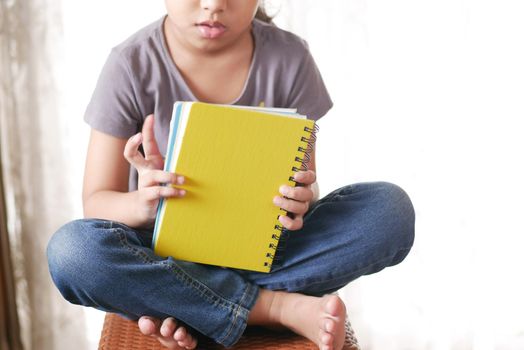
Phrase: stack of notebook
[233,159]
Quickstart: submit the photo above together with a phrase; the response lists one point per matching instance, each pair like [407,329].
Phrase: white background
[427,95]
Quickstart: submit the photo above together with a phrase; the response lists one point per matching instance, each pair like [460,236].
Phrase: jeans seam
[236,314]
[236,310]
[202,289]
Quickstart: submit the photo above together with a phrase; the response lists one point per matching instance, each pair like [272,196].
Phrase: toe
[147,325]
[188,341]
[168,327]
[191,343]
[180,334]
[334,306]
[184,343]
[329,325]
[326,339]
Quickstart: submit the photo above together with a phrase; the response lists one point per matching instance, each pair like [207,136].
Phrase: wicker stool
[122,334]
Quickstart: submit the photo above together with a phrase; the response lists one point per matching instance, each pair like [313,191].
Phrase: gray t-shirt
[140,78]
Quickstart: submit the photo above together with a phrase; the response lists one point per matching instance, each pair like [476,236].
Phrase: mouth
[211,29]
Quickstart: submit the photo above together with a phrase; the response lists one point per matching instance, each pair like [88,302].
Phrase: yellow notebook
[233,159]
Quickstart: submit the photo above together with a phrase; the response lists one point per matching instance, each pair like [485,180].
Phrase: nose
[214,6]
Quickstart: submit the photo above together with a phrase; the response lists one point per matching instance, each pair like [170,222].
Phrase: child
[215,51]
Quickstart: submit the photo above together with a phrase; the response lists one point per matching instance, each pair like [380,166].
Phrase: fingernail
[283,189]
[277,200]
[182,192]
[180,180]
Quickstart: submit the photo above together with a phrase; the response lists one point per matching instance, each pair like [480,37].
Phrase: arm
[105,191]
[106,178]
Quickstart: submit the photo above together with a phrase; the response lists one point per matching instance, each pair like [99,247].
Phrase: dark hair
[262,15]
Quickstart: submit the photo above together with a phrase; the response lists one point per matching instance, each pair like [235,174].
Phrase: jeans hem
[239,317]
[236,312]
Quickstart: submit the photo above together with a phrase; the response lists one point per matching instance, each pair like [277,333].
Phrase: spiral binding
[280,236]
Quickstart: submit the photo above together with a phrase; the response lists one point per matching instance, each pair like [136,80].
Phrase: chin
[211,45]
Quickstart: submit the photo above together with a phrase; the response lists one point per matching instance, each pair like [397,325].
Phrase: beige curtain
[9,329]
[35,171]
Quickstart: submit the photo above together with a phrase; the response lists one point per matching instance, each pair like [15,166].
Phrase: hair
[262,14]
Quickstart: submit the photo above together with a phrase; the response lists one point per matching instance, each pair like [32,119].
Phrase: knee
[71,254]
[397,218]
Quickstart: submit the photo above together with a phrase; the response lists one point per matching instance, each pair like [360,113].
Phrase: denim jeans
[353,231]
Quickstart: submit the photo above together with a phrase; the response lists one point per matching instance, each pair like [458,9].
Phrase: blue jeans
[353,231]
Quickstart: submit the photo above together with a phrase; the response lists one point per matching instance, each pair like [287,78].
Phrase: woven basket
[121,334]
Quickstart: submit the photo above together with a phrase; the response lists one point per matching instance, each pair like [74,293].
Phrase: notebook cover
[233,162]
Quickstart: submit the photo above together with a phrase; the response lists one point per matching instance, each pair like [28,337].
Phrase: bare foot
[168,333]
[321,320]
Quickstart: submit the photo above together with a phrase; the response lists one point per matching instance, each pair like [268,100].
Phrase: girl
[215,51]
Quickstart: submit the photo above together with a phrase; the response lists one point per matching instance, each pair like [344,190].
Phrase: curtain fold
[9,328]
[35,169]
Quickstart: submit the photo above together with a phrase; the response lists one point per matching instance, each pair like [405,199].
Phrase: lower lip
[211,32]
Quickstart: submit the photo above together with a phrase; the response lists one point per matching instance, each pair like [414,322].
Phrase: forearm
[115,206]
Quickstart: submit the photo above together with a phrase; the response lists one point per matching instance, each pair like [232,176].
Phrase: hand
[150,173]
[296,199]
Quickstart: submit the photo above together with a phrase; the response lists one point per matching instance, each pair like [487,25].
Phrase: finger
[305,177]
[131,153]
[154,193]
[153,177]
[291,205]
[291,224]
[303,194]
[149,143]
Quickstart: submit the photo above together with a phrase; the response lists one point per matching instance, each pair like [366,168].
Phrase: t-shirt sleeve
[308,93]
[113,108]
